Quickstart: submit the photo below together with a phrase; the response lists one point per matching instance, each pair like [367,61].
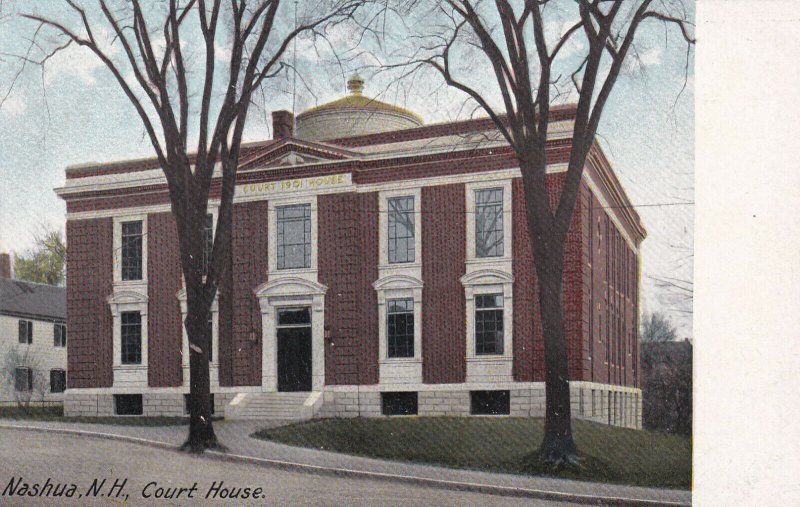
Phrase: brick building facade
[386,271]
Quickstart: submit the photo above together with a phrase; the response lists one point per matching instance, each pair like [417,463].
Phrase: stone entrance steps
[286,406]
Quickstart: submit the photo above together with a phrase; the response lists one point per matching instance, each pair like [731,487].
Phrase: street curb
[508,491]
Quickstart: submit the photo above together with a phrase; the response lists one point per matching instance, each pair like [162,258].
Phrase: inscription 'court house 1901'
[294,185]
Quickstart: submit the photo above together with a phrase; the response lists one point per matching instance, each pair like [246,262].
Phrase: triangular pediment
[294,152]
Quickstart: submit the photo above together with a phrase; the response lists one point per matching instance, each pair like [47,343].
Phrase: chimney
[5,265]
[282,125]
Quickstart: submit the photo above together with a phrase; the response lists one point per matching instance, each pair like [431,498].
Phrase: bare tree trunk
[201,430]
[558,445]
[198,307]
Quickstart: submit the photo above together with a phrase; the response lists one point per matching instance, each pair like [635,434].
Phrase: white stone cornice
[486,277]
[397,281]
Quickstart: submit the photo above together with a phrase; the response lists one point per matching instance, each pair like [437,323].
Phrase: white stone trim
[471,188]
[288,292]
[213,366]
[309,273]
[370,187]
[413,268]
[119,219]
[490,368]
[399,370]
[128,375]
[611,212]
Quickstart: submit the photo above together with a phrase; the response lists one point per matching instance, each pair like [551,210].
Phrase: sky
[74,112]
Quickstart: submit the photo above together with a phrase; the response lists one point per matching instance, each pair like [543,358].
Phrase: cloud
[650,57]
[72,62]
[14,105]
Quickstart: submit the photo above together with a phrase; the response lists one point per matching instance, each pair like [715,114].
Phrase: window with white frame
[489,223]
[131,250]
[23,379]
[26,331]
[488,324]
[58,381]
[400,233]
[131,337]
[490,315]
[294,236]
[400,328]
[59,335]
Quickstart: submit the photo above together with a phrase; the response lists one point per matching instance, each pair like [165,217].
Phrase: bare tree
[656,327]
[147,54]
[25,376]
[667,386]
[512,38]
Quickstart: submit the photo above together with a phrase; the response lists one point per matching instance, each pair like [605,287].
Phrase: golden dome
[354,114]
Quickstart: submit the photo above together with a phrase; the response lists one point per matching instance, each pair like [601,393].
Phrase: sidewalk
[235,435]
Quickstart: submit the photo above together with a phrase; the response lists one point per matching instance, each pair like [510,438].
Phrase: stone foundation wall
[603,403]
[154,404]
[625,408]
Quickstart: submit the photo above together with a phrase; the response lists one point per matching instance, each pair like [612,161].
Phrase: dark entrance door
[294,349]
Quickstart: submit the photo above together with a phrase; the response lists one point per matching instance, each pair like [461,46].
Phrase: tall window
[25,331]
[58,381]
[59,335]
[131,337]
[488,324]
[400,332]
[401,229]
[294,236]
[132,250]
[23,379]
[208,241]
[489,222]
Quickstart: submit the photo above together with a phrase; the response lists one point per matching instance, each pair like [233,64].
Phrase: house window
[400,328]
[489,223]
[128,404]
[490,402]
[399,403]
[488,324]
[208,241]
[294,236]
[59,335]
[58,381]
[401,229]
[23,379]
[26,331]
[132,250]
[131,337]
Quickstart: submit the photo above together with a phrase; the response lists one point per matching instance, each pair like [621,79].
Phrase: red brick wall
[164,333]
[89,283]
[614,315]
[248,271]
[348,265]
[528,337]
[443,305]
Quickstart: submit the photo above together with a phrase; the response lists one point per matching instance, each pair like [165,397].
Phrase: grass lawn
[56,413]
[609,454]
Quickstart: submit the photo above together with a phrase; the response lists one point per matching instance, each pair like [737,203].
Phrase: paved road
[65,459]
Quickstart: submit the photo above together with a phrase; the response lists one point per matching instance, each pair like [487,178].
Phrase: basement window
[490,402]
[128,404]
[399,403]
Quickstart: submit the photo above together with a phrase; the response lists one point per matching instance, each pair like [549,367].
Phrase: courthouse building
[379,266]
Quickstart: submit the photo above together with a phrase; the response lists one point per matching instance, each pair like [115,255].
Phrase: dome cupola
[353,115]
